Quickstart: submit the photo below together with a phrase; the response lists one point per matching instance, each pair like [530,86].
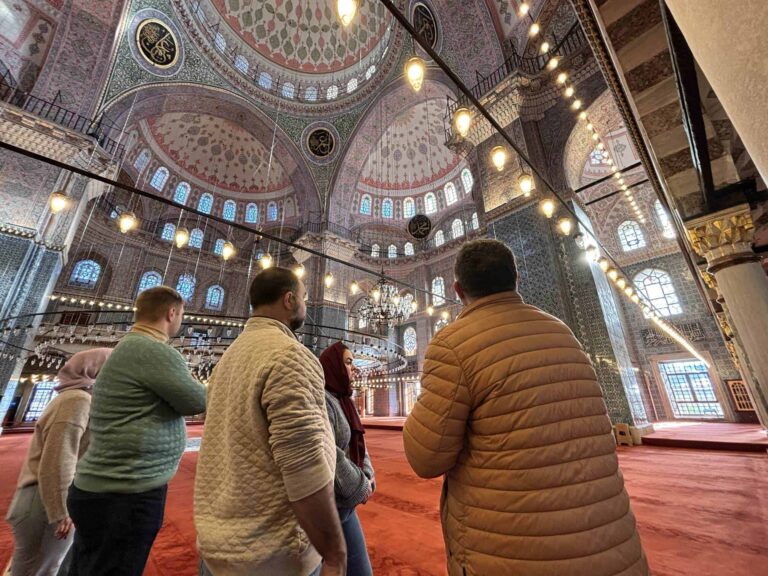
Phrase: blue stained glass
[214,299]
[169,231]
[219,246]
[85,274]
[205,204]
[230,209]
[251,213]
[409,208]
[196,238]
[272,211]
[159,179]
[386,208]
[186,286]
[438,291]
[148,280]
[182,193]
[365,205]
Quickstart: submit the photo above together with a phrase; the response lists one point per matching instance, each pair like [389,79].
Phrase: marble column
[730,47]
[725,239]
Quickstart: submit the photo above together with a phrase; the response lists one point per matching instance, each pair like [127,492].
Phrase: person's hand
[64,528]
[333,569]
[368,490]
[372,480]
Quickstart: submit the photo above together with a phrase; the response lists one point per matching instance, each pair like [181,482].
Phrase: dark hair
[271,285]
[153,303]
[484,267]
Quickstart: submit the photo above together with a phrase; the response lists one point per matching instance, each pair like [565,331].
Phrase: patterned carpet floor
[702,513]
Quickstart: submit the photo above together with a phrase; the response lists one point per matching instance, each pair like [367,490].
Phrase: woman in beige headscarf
[38,515]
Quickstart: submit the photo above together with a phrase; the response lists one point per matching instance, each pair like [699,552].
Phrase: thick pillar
[725,240]
[730,48]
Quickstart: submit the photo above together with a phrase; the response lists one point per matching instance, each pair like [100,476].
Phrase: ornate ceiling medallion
[320,142]
[157,43]
[420,226]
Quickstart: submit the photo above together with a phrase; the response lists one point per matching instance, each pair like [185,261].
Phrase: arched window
[351,85]
[85,274]
[440,324]
[272,211]
[408,302]
[439,238]
[370,72]
[457,228]
[290,208]
[598,157]
[196,238]
[182,193]
[631,236]
[218,247]
[141,160]
[430,203]
[408,249]
[220,41]
[409,341]
[392,252]
[169,232]
[214,298]
[475,221]
[366,205]
[450,193]
[160,178]
[251,213]
[656,286]
[310,94]
[375,251]
[149,279]
[241,63]
[288,90]
[265,80]
[205,204]
[667,230]
[467,180]
[186,286]
[229,211]
[409,208]
[386,208]
[362,323]
[332,92]
[438,291]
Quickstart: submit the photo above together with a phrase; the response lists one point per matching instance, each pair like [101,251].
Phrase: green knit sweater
[138,434]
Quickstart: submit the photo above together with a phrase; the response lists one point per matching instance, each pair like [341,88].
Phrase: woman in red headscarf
[354,482]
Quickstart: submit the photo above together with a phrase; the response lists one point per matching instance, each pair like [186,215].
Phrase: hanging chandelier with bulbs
[384,307]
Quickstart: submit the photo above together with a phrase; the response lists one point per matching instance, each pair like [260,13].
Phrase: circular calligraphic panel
[419,226]
[157,43]
[321,143]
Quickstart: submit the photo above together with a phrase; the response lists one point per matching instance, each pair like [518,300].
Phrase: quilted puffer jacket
[512,414]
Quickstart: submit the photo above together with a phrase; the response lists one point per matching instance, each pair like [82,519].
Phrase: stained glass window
[667,230]
[370,72]
[205,204]
[598,157]
[251,213]
[85,274]
[375,251]
[409,341]
[408,249]
[362,323]
[656,285]
[631,236]
[690,390]
[186,286]
[182,193]
[409,208]
[41,397]
[386,208]
[438,291]
[430,203]
[365,205]
[142,160]
[288,90]
[440,324]
[169,231]
[265,80]
[351,85]
[332,92]
[220,41]
[392,252]
[241,63]
[475,221]
[450,193]
[160,178]
[219,246]
[310,94]
[457,228]
[149,279]
[467,180]
[272,211]
[229,211]
[439,238]
[196,238]
[214,299]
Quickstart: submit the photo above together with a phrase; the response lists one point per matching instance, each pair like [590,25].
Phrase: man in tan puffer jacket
[512,414]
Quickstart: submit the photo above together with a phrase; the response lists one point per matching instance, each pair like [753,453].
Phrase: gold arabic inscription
[157,43]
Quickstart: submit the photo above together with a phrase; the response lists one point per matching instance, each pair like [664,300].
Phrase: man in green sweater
[137,438]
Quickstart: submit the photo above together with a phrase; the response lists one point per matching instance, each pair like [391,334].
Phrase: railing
[52,112]
[573,41]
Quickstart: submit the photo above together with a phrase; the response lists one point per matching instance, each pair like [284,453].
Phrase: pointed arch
[159,178]
[205,204]
[631,236]
[181,194]
[85,274]
[214,298]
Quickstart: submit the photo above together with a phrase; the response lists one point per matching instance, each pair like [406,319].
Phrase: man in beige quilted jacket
[264,500]
[512,414]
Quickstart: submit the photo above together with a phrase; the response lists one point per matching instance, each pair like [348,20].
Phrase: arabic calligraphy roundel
[157,43]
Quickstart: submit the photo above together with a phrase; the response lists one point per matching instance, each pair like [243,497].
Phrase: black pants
[114,532]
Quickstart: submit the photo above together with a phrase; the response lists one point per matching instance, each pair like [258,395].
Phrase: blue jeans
[358,563]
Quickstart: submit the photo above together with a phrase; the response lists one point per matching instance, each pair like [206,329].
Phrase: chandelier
[383,306]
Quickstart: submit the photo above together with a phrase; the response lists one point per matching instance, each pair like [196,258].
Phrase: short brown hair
[271,285]
[484,267]
[153,303]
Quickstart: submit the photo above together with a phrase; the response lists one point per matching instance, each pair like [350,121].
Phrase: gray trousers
[38,552]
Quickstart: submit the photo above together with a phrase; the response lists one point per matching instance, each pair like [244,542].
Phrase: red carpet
[701,513]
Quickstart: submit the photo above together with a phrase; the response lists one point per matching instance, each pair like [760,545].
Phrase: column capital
[326,242]
[724,238]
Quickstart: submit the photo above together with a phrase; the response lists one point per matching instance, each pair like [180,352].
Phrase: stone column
[730,47]
[725,239]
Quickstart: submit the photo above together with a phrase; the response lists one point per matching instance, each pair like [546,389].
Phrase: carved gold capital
[725,325]
[728,227]
[709,280]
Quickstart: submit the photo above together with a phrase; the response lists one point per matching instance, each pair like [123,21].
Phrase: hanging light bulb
[354,288]
[548,207]
[499,157]
[621,282]
[414,72]
[612,274]
[58,202]
[376,294]
[462,120]
[534,29]
[583,115]
[266,261]
[553,63]
[444,315]
[635,298]
[414,306]
[569,92]
[601,146]
[544,47]
[181,237]
[346,10]
[525,181]
[592,253]
[562,78]
[565,225]
[576,104]
[328,280]
[430,310]
[299,271]
[396,299]
[228,250]
[629,291]
[524,9]
[595,136]
[604,264]
[126,222]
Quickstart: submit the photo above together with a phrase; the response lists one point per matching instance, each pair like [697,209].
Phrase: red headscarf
[337,383]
